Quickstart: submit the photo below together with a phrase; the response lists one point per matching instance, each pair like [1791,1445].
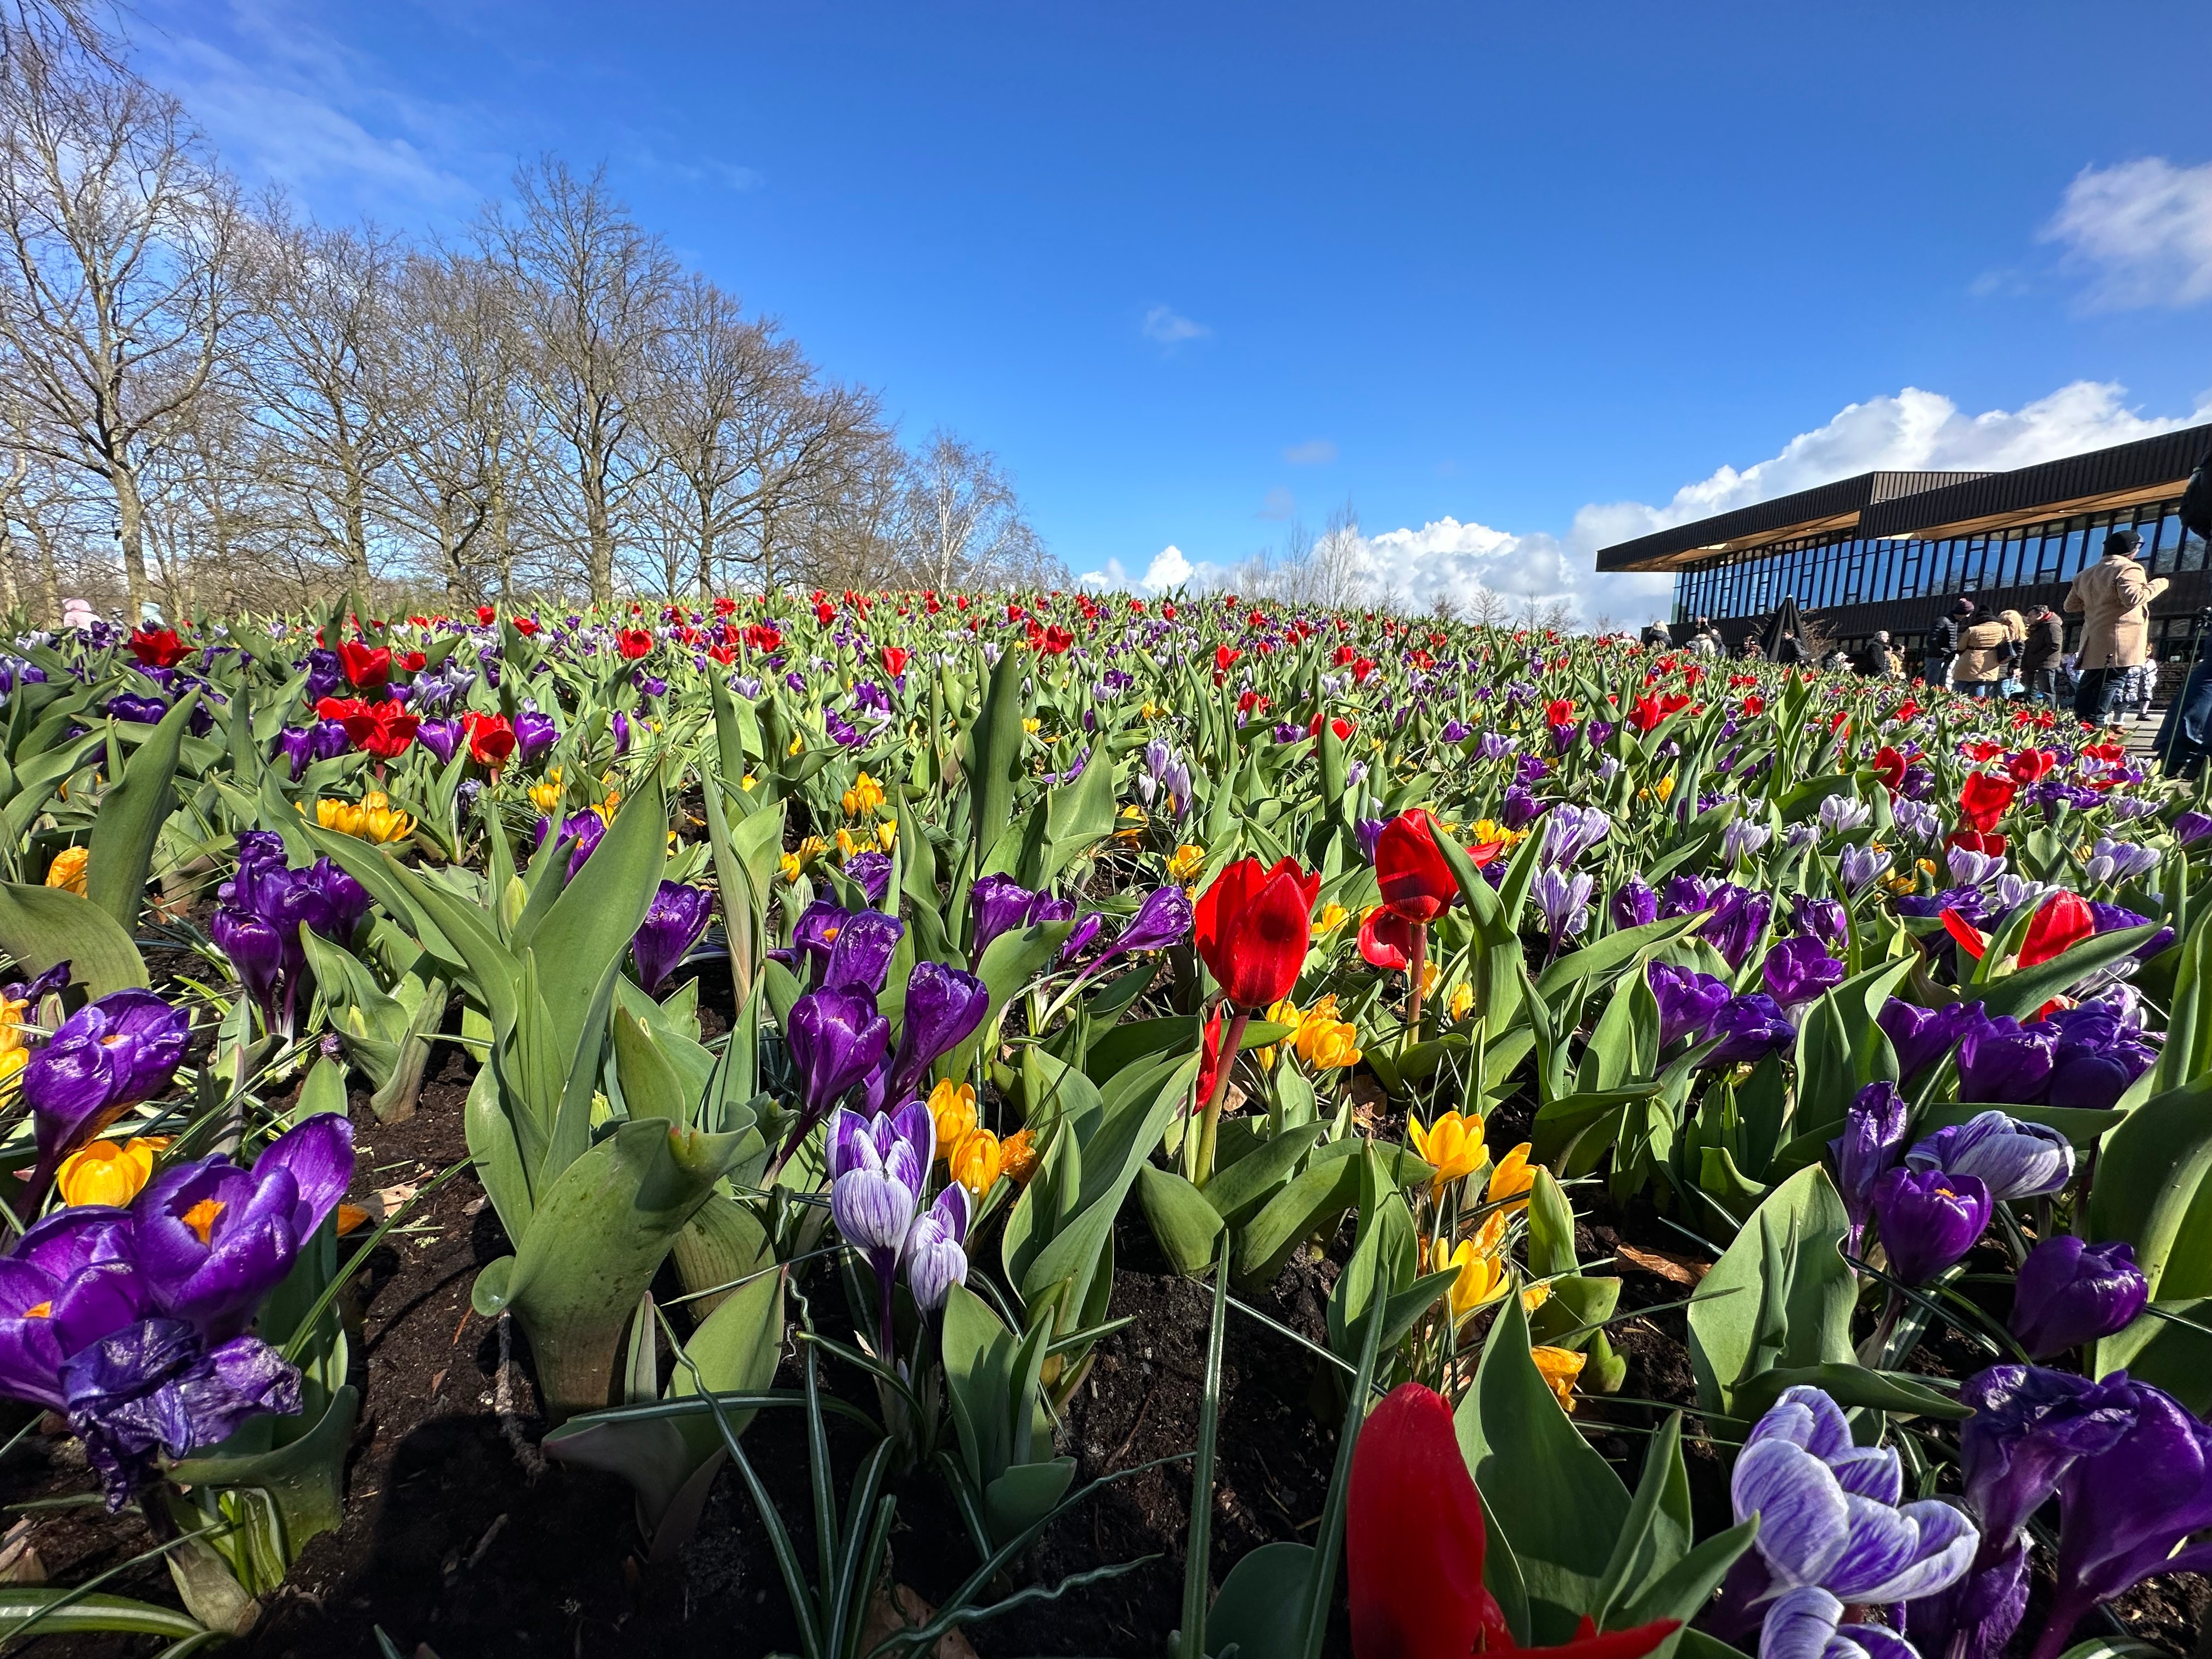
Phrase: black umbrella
[1787,619]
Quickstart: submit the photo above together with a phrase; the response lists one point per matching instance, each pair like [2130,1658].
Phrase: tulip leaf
[305,1478]
[598,1235]
[2187,1051]
[1658,1531]
[2026,989]
[1010,962]
[1849,1385]
[2169,1346]
[1610,953]
[1239,1188]
[650,1087]
[1324,1190]
[1256,1611]
[1184,1224]
[1780,1295]
[591,924]
[2153,1188]
[1556,1499]
[130,816]
[41,927]
[50,1610]
[994,751]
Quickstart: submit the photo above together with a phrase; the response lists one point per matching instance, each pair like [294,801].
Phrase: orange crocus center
[42,1311]
[201,1218]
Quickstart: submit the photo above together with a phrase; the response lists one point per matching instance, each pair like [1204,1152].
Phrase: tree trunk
[600,533]
[131,519]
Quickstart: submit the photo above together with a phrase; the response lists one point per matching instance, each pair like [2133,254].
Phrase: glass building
[1893,549]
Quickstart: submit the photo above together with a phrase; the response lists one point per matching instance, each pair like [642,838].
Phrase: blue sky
[1510,279]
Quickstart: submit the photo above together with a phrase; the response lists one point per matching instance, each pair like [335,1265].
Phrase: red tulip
[365,666]
[894,659]
[2063,922]
[1414,1542]
[634,642]
[157,647]
[381,729]
[1984,799]
[491,739]
[485,615]
[1253,927]
[525,626]
[1417,883]
[2030,765]
[1386,939]
[1975,842]
[1889,766]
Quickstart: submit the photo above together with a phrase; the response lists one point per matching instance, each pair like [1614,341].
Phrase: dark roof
[1836,505]
[2150,466]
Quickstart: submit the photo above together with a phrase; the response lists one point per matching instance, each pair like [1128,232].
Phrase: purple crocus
[2028,1426]
[621,727]
[2068,1294]
[2002,1063]
[211,1239]
[107,1056]
[1799,969]
[1564,902]
[1875,1126]
[582,831]
[1687,1001]
[1738,921]
[440,738]
[836,1036]
[1825,920]
[2099,1052]
[877,1168]
[1828,1514]
[534,733]
[870,871]
[1368,832]
[1928,1219]
[1569,831]
[1857,867]
[672,925]
[2013,1159]
[996,903]
[944,1007]
[1634,904]
[2191,827]
[156,1385]
[1750,1026]
[1922,1036]
[68,1281]
[1164,919]
[862,951]
[936,1250]
[2124,1512]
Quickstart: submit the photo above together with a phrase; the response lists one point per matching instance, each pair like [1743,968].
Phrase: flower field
[850,1125]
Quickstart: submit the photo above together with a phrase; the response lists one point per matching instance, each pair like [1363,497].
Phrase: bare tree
[119,236]
[591,289]
[1487,607]
[1339,561]
[328,377]
[964,521]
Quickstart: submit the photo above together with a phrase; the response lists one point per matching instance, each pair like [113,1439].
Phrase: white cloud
[1169,570]
[1162,324]
[1315,452]
[2144,228]
[1278,506]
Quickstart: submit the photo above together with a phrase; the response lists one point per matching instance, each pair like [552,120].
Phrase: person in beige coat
[2113,596]
[1984,657]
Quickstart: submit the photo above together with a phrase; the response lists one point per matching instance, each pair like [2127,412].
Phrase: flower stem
[1233,1039]
[1417,966]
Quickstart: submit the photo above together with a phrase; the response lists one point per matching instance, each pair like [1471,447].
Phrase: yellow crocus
[1663,789]
[1452,1145]
[1463,999]
[864,797]
[1031,724]
[747,781]
[1133,812]
[975,1161]
[1481,1277]
[1018,1157]
[1431,973]
[887,834]
[381,821]
[15,1015]
[1284,1012]
[1333,916]
[952,1109]
[788,863]
[12,1062]
[546,796]
[108,1172]
[846,845]
[67,871]
[1560,1367]
[1331,1046]
[798,743]
[1185,863]
[1150,710]
[1512,1178]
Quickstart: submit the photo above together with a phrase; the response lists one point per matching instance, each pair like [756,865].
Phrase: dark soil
[459,1537]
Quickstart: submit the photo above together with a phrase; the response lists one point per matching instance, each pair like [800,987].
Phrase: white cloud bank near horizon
[1914,430]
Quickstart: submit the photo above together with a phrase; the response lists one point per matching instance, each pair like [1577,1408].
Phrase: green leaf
[1557,1500]
[48,1610]
[1848,1385]
[42,925]
[1257,1610]
[2153,1188]
[2023,991]
[1186,1225]
[1780,1295]
[2158,1348]
[591,924]
[1323,1191]
[590,1249]
[1610,953]
[130,816]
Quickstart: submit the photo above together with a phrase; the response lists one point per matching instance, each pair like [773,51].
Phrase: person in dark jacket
[2040,651]
[1943,643]
[1788,650]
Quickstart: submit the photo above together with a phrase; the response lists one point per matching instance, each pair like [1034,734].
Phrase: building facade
[1893,549]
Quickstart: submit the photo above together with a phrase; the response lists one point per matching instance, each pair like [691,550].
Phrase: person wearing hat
[2114,597]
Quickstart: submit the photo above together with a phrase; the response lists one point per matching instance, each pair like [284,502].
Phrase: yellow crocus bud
[1512,1178]
[1031,724]
[1284,1012]
[747,781]
[789,865]
[846,845]
[952,1109]
[1335,1046]
[108,1172]
[887,834]
[1560,1367]
[1452,1145]
[1186,860]
[1462,998]
[975,1161]
[1333,916]
[546,797]
[67,871]
[1481,1277]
